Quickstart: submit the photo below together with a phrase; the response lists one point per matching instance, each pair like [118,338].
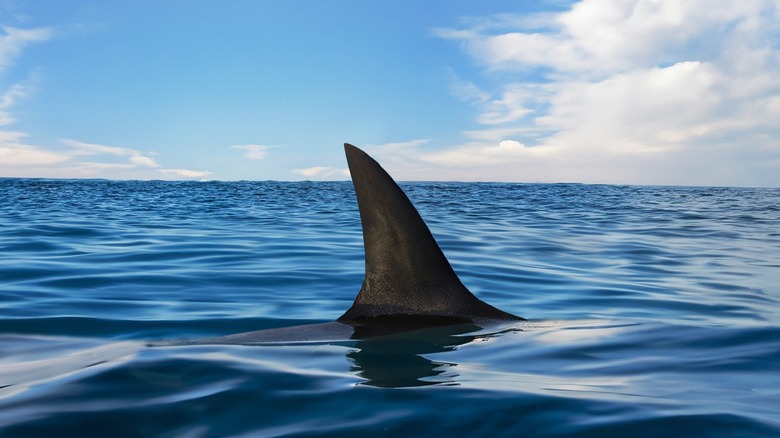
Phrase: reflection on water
[395,359]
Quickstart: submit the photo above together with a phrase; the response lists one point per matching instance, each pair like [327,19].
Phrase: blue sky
[592,91]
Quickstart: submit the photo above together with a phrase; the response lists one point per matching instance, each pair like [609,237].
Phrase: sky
[658,92]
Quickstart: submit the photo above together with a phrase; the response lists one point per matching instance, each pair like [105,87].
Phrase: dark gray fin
[406,271]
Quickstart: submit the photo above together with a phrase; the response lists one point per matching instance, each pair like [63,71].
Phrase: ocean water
[653,311]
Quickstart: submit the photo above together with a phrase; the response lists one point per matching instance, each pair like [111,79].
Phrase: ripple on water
[653,310]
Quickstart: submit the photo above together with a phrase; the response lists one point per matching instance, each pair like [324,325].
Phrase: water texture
[653,311]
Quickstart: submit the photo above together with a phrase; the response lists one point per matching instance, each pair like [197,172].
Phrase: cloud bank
[641,91]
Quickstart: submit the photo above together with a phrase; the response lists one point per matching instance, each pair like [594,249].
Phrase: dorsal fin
[406,271]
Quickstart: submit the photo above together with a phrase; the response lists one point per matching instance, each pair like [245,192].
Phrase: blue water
[653,311]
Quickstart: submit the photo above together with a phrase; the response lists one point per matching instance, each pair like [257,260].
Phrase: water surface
[653,311]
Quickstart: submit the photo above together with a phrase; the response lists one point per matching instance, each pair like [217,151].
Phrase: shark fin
[406,272]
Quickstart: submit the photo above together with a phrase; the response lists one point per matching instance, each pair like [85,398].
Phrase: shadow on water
[386,351]
[391,354]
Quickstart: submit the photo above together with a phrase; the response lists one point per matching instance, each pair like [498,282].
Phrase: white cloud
[186,173]
[637,111]
[80,160]
[19,158]
[486,154]
[14,152]
[401,147]
[612,35]
[253,151]
[94,169]
[496,134]
[694,84]
[8,99]
[80,148]
[467,91]
[14,40]
[511,105]
[322,172]
[143,161]
[403,155]
[83,148]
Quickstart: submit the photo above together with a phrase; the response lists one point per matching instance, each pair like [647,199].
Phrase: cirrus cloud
[253,151]
[322,172]
[135,157]
[81,160]
[14,40]
[19,157]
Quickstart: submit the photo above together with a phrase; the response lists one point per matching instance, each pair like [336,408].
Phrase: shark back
[406,271]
